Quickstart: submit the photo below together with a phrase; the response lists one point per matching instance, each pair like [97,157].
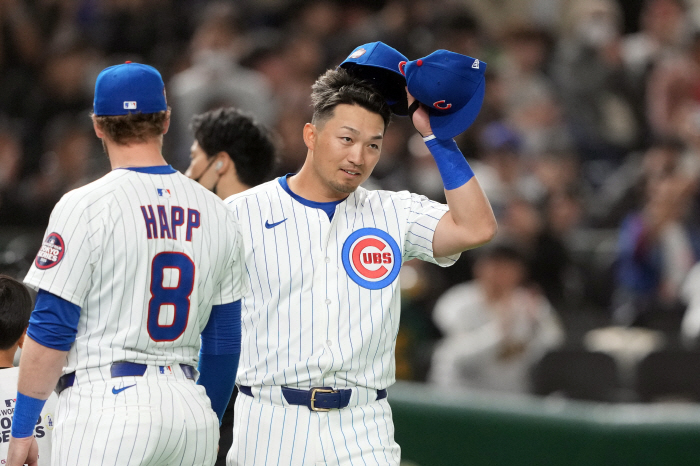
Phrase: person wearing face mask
[231,152]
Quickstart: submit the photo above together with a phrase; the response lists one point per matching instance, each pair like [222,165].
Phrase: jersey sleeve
[67,256]
[423,217]
[234,283]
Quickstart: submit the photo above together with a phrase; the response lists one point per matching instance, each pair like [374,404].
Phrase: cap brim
[448,126]
[390,84]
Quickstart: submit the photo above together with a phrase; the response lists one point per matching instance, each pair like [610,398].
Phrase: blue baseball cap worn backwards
[380,65]
[451,86]
[129,88]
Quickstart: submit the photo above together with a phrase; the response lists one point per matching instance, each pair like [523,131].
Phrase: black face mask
[213,188]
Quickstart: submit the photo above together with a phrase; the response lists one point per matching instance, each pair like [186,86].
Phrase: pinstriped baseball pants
[273,433]
[161,420]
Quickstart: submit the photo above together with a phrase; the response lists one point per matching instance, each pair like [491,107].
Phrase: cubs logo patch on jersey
[371,258]
[51,252]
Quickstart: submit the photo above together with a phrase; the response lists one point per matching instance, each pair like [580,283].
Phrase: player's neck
[229,185]
[147,154]
[308,185]
[7,357]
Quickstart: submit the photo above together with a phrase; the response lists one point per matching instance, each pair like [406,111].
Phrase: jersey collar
[156,170]
[317,205]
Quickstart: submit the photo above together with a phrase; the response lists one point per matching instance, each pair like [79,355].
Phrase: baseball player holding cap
[322,313]
[133,268]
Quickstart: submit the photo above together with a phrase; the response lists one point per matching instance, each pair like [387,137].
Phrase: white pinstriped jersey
[145,256]
[324,300]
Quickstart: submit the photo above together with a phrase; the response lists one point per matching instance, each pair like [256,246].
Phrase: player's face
[347,147]
[200,168]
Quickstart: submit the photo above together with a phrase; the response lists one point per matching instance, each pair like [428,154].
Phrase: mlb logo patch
[162,192]
[129,105]
[358,53]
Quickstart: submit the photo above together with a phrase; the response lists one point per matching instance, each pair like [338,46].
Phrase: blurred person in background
[674,82]
[530,103]
[546,255]
[588,72]
[64,88]
[656,250]
[664,30]
[624,190]
[495,327]
[69,161]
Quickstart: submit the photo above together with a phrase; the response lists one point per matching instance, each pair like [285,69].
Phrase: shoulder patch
[51,252]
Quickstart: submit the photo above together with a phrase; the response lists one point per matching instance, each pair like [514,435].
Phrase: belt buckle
[314,391]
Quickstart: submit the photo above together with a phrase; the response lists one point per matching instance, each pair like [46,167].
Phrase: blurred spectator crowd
[587,145]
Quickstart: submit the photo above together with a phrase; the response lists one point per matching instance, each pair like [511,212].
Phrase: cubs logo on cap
[51,252]
[379,64]
[371,258]
[129,88]
[451,86]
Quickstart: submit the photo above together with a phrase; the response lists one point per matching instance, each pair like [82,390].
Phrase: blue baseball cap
[380,65]
[129,88]
[452,86]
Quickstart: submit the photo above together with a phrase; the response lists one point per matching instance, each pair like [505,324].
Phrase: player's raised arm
[470,221]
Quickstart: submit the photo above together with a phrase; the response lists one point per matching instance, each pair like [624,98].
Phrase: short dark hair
[15,309]
[336,87]
[134,127]
[247,142]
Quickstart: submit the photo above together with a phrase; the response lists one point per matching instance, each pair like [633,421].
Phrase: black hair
[336,87]
[247,142]
[15,309]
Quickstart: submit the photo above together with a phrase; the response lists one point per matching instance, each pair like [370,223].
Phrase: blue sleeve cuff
[54,321]
[217,374]
[222,335]
[26,414]
[453,167]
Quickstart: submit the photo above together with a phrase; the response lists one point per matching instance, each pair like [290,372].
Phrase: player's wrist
[453,167]
[25,416]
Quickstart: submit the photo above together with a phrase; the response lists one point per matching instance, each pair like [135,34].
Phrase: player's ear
[310,133]
[20,342]
[100,134]
[166,124]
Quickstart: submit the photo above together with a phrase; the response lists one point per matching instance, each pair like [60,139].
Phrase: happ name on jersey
[168,224]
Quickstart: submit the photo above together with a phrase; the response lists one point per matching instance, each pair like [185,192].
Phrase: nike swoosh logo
[117,391]
[269,225]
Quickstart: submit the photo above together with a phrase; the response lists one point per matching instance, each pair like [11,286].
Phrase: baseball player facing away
[15,307]
[134,267]
[231,153]
[323,254]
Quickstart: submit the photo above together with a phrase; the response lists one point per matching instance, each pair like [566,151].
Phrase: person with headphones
[231,152]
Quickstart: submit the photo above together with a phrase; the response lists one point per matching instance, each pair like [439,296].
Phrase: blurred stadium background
[573,338]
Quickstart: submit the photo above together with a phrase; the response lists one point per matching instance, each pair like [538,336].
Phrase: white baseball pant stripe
[272,433]
[163,419]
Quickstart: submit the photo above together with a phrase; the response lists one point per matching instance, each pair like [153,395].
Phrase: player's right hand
[22,451]
[419,118]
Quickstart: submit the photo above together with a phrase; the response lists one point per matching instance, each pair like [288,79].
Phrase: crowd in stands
[587,144]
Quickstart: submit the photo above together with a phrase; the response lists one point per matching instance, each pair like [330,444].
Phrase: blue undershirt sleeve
[54,321]
[218,357]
